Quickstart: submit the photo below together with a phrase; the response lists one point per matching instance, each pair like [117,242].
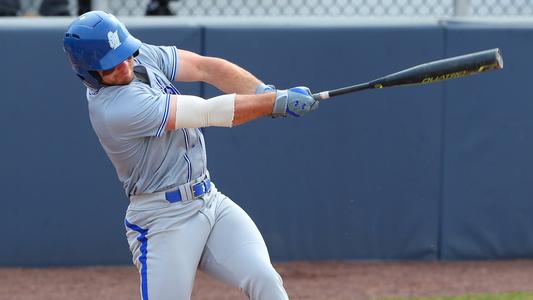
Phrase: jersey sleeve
[138,112]
[165,58]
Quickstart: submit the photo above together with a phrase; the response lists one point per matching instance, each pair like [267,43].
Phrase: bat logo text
[445,76]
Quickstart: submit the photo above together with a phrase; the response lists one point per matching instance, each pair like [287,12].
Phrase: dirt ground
[303,280]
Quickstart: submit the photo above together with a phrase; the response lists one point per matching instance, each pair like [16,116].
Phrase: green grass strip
[506,296]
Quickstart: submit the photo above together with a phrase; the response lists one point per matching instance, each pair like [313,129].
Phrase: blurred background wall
[295,8]
[436,172]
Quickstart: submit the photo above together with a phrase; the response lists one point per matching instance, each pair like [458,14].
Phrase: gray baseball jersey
[130,123]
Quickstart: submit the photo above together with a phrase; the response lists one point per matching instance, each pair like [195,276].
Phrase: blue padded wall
[441,171]
[359,179]
[488,170]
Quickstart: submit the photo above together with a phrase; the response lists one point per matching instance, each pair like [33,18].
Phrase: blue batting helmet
[97,41]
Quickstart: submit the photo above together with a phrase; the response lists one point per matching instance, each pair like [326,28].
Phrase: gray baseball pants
[169,241]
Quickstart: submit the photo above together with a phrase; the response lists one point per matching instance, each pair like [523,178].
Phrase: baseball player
[177,220]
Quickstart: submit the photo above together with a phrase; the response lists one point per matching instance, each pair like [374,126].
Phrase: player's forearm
[224,111]
[230,78]
[251,107]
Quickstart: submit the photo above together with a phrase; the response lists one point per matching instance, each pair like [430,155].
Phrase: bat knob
[321,96]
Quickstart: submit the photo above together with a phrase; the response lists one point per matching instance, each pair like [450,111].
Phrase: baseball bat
[435,71]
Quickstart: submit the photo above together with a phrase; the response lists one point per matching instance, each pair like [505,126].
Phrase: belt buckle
[199,189]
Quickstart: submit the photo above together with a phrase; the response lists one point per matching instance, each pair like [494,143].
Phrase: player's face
[121,74]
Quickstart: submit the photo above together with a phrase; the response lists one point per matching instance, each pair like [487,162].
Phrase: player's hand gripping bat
[430,72]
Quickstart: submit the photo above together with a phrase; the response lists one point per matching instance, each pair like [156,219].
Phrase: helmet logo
[113,39]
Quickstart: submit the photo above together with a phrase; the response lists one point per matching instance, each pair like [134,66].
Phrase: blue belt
[197,190]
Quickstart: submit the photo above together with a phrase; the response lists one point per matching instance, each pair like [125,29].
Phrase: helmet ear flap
[96,75]
[136,53]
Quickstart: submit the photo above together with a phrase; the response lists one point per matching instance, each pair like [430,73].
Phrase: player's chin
[118,80]
[125,81]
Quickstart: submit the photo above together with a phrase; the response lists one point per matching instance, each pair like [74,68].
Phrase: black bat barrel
[444,69]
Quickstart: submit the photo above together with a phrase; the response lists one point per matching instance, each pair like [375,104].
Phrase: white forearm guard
[195,112]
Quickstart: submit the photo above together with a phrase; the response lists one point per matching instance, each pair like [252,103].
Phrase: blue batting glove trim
[299,91]
[292,114]
[264,88]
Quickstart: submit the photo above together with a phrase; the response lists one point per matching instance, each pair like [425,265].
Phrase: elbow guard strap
[195,112]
